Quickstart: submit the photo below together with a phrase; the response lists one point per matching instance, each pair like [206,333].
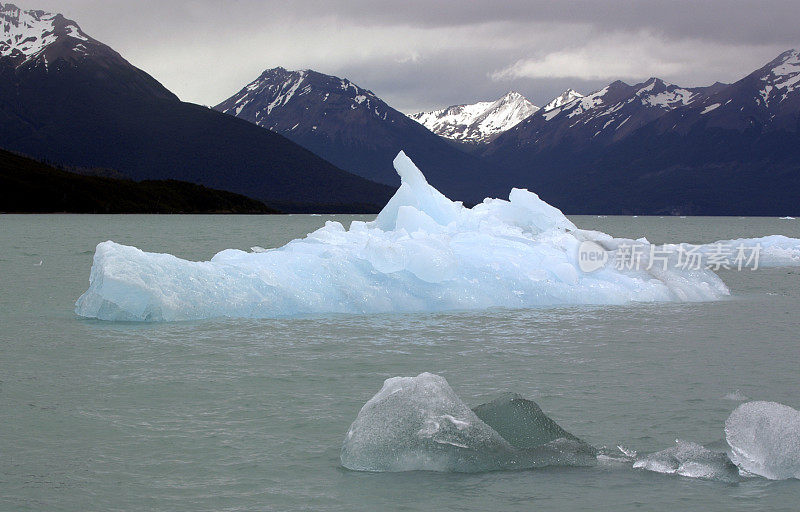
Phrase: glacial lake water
[234,414]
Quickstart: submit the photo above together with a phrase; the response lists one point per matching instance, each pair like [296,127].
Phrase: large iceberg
[765,439]
[419,423]
[422,253]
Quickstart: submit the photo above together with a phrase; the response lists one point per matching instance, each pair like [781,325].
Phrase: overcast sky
[423,54]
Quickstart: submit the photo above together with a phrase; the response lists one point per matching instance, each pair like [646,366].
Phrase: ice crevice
[423,252]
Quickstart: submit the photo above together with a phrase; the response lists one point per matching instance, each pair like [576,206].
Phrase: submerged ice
[691,460]
[422,253]
[419,423]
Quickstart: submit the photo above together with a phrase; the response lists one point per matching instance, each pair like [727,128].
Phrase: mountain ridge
[657,148]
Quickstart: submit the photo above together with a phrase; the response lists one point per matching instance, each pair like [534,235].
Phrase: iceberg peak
[417,193]
[408,172]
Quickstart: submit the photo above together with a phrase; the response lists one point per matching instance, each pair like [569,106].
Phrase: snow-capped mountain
[353,128]
[303,101]
[767,99]
[566,97]
[651,147]
[478,123]
[41,42]
[70,99]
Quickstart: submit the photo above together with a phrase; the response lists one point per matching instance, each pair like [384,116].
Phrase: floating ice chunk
[627,452]
[690,460]
[765,439]
[419,423]
[422,253]
[775,250]
[765,252]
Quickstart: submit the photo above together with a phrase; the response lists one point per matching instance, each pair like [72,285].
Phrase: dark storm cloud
[422,54]
[759,22]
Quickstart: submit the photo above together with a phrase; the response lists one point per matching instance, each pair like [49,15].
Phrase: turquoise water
[250,414]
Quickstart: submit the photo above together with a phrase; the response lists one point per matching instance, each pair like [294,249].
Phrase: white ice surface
[422,253]
[772,251]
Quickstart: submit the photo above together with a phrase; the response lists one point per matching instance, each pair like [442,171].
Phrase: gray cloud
[420,54]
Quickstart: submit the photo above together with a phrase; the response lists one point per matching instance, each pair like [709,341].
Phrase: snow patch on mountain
[782,78]
[587,103]
[566,97]
[478,122]
[26,34]
[658,93]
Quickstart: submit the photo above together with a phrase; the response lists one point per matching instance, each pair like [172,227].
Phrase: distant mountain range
[661,149]
[607,115]
[70,99]
[647,148]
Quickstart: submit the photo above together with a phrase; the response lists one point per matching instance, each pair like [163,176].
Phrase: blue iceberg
[423,252]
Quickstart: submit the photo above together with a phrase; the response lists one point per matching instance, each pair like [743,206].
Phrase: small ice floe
[690,460]
[765,439]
